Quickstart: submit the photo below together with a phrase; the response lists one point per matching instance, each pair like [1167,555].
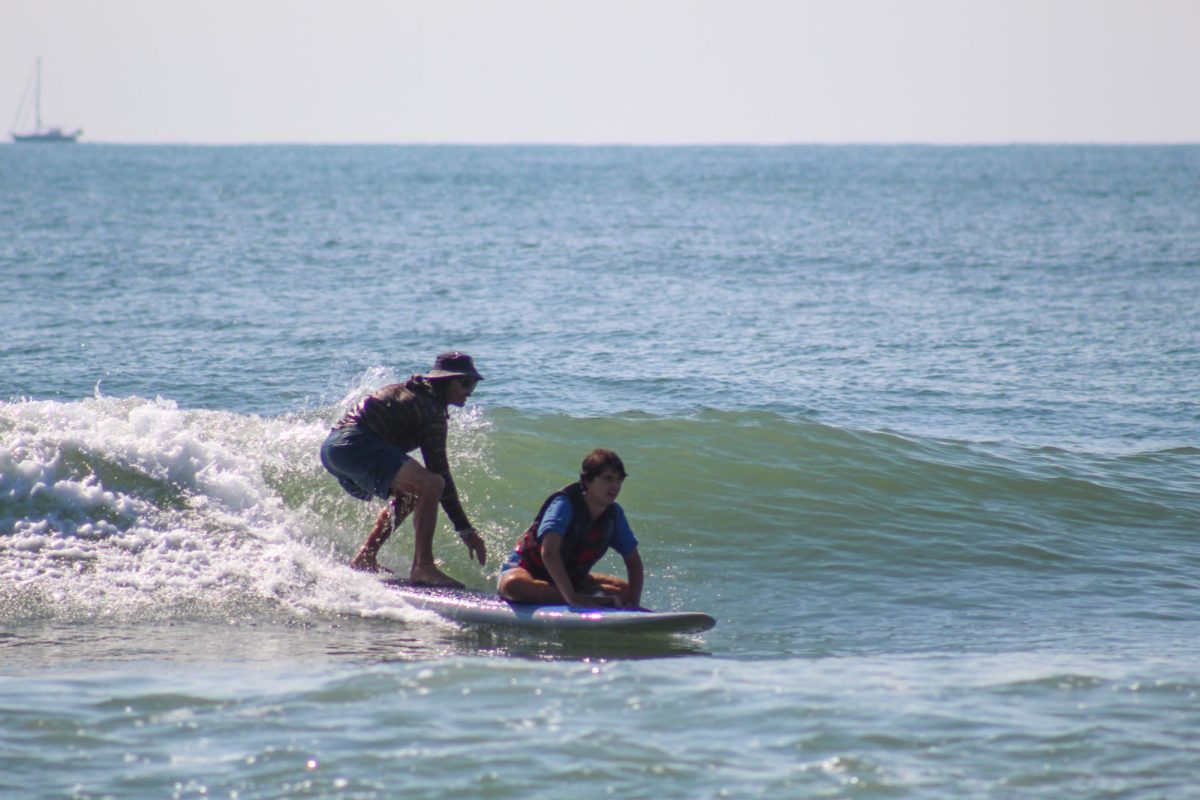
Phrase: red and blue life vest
[584,543]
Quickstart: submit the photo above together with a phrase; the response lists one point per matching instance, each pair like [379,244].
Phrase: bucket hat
[454,365]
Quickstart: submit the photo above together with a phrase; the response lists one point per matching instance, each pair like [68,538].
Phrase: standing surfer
[575,527]
[367,451]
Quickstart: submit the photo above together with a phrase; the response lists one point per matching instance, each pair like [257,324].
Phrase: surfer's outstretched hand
[475,544]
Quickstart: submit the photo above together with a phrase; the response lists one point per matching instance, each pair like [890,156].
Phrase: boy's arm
[552,558]
[636,575]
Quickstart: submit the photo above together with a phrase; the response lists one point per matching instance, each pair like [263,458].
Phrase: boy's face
[605,486]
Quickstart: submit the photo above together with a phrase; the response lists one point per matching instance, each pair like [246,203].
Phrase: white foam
[135,508]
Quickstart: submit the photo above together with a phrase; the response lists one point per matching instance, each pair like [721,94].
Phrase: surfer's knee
[429,489]
[428,484]
[415,479]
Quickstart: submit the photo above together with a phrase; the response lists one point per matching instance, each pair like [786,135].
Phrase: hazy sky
[609,71]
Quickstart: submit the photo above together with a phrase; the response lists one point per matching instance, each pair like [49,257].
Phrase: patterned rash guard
[409,416]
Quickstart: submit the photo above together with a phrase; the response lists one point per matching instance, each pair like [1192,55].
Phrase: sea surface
[920,426]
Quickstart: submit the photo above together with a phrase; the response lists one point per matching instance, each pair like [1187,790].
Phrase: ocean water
[920,426]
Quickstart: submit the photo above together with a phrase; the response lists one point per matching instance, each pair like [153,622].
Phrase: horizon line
[665,145]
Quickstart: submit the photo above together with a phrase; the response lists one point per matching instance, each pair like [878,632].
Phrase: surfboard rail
[467,606]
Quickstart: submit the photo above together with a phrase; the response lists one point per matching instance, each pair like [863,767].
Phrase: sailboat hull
[47,137]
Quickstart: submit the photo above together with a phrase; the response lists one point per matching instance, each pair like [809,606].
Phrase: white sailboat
[39,132]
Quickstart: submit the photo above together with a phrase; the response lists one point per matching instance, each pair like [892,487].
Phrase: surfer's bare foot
[432,576]
[368,564]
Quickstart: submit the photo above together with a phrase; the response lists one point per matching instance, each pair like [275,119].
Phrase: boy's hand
[596,601]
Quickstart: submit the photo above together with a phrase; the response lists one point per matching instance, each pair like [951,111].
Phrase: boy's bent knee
[515,584]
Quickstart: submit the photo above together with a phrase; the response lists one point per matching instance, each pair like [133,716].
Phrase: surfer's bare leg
[425,490]
[364,559]
[394,513]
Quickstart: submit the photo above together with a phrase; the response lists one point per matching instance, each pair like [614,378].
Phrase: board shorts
[513,560]
[363,463]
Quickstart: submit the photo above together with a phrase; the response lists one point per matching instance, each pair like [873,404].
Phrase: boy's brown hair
[599,460]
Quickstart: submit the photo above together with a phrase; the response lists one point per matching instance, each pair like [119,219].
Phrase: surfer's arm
[636,575]
[433,453]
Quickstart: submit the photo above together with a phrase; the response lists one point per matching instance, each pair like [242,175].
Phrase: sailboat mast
[37,93]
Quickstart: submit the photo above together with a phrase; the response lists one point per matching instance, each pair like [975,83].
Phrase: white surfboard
[464,605]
